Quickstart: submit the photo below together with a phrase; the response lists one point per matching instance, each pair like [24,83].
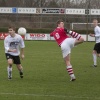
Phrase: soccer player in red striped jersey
[63,39]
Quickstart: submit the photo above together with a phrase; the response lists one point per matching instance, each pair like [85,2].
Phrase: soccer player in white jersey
[96,50]
[12,43]
[66,43]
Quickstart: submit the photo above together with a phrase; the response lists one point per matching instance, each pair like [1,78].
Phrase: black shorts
[97,47]
[16,59]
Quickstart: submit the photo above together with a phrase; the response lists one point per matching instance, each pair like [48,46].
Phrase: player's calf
[77,36]
[20,68]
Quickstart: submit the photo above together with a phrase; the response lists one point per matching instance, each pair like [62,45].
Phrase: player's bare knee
[81,40]
[68,63]
[10,62]
[98,55]
[94,52]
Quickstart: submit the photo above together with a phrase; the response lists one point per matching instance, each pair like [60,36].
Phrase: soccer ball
[22,31]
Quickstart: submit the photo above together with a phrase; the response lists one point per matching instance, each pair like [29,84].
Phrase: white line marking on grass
[58,96]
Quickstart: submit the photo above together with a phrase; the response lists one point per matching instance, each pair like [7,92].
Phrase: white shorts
[67,45]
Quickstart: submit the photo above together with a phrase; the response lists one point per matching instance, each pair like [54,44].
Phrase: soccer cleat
[21,74]
[72,79]
[9,78]
[94,65]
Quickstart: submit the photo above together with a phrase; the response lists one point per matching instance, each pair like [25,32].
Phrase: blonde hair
[95,20]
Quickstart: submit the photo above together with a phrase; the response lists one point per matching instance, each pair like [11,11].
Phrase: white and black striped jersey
[16,42]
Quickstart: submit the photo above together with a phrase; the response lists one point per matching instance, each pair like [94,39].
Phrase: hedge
[47,31]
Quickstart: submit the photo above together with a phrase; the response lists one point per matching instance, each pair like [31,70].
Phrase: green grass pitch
[45,76]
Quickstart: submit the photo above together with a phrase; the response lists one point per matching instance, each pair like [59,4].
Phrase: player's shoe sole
[21,75]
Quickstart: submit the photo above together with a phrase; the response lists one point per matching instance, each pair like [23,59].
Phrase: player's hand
[22,56]
[90,34]
[14,50]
